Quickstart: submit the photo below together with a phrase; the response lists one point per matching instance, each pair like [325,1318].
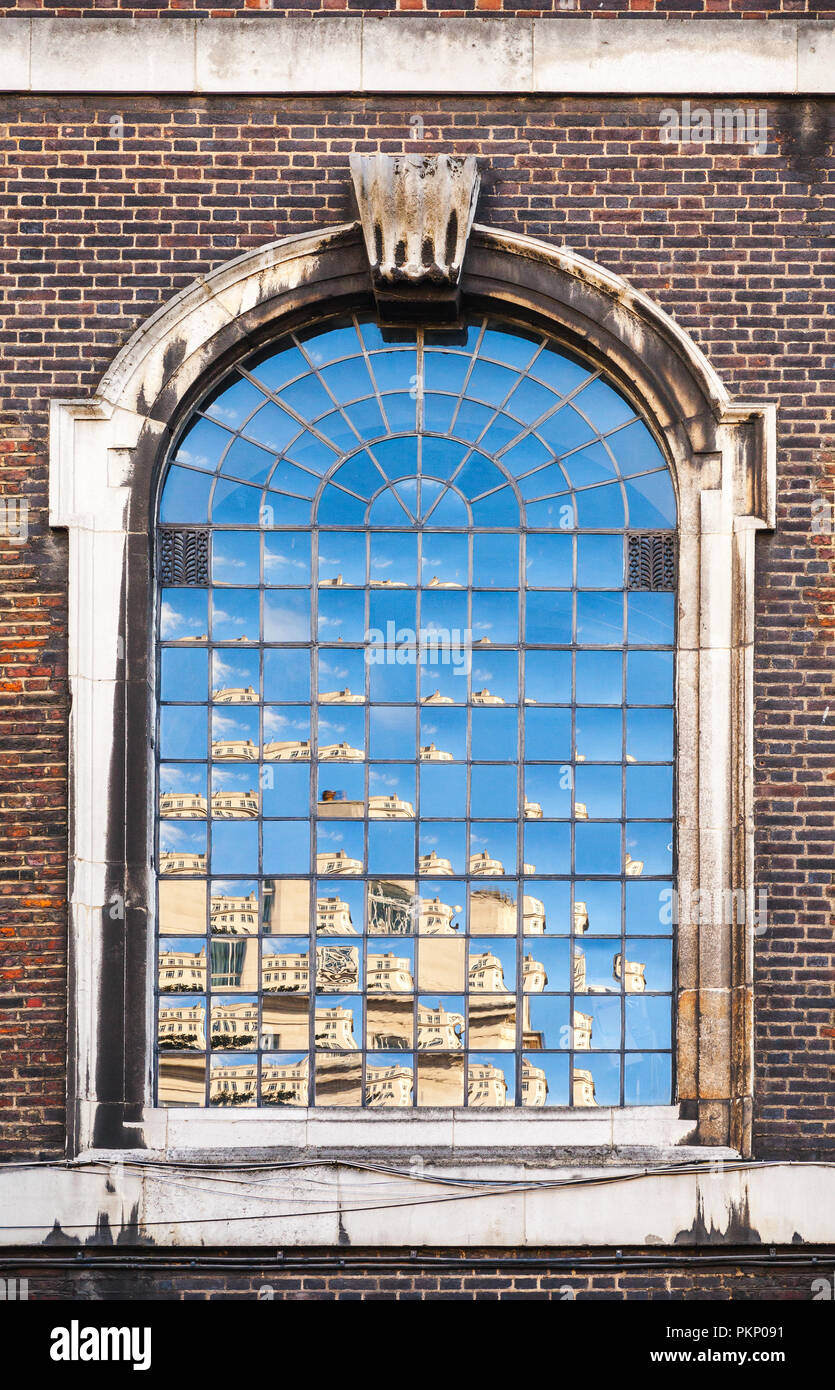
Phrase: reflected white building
[340,697]
[235,695]
[533,913]
[436,918]
[234,1023]
[389,974]
[633,867]
[334,1028]
[431,864]
[333,862]
[582,1031]
[294,750]
[534,975]
[438,1029]
[173,861]
[632,972]
[285,1083]
[436,698]
[339,753]
[182,1025]
[333,918]
[233,1083]
[581,918]
[430,754]
[390,808]
[486,1085]
[388,1086]
[583,1087]
[235,805]
[485,866]
[483,697]
[181,972]
[234,750]
[534,1084]
[486,974]
[285,973]
[533,810]
[234,916]
[182,806]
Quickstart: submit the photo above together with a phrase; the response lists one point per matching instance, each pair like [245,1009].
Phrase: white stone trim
[708,1201]
[724,464]
[418,54]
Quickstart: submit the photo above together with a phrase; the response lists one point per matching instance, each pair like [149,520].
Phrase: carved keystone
[416,211]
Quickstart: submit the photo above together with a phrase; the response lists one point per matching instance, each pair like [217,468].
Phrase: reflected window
[415,835]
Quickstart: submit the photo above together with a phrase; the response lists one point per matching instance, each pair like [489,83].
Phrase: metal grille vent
[183,557]
[652,561]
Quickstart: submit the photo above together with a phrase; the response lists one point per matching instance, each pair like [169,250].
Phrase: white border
[419,54]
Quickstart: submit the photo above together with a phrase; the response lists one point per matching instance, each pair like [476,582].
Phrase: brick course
[98,231]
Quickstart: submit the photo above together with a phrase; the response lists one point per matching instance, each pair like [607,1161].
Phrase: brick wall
[98,231]
[432,1275]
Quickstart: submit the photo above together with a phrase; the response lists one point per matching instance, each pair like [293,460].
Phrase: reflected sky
[415,738]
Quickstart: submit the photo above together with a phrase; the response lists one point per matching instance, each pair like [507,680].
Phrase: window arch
[416,633]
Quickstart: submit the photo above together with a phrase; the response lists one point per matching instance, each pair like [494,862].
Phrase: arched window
[416,633]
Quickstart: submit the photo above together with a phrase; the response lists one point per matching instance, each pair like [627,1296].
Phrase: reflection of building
[285,910]
[534,1084]
[492,1021]
[533,810]
[579,971]
[232,916]
[389,1085]
[431,864]
[486,1084]
[285,1023]
[430,754]
[581,918]
[337,968]
[333,918]
[390,808]
[285,972]
[390,908]
[234,1023]
[234,964]
[234,805]
[182,805]
[235,750]
[235,695]
[436,583]
[285,1083]
[340,697]
[172,861]
[389,974]
[337,862]
[438,1029]
[534,975]
[390,1023]
[633,974]
[296,750]
[533,914]
[634,867]
[436,698]
[492,913]
[436,918]
[583,1087]
[181,972]
[334,1028]
[338,752]
[182,907]
[182,1025]
[486,974]
[582,1031]
[486,867]
[483,697]
[182,1080]
[234,1083]
[581,810]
